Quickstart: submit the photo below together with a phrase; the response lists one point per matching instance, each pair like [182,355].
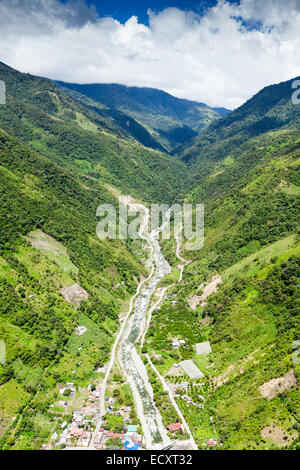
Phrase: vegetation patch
[53,250]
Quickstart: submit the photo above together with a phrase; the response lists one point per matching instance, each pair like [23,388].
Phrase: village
[81,425]
[116,432]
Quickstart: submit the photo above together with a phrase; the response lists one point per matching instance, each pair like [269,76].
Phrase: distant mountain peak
[170,120]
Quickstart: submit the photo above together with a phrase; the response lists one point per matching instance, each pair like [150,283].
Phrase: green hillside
[48,244]
[248,177]
[171,121]
[60,156]
[57,157]
[78,138]
[270,109]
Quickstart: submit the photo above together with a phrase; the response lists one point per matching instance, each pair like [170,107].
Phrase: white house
[203,348]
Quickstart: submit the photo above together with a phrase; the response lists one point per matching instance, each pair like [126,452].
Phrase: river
[131,362]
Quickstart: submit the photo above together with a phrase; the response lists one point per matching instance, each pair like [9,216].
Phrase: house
[70,385]
[211,442]
[113,435]
[191,369]
[78,432]
[89,411]
[175,427]
[175,343]
[64,424]
[84,441]
[80,330]
[54,436]
[181,342]
[62,440]
[126,409]
[203,348]
[61,389]
[131,428]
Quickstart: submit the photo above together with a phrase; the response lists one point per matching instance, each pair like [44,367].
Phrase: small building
[131,428]
[211,442]
[80,330]
[114,435]
[126,409]
[175,427]
[203,348]
[61,389]
[78,432]
[191,369]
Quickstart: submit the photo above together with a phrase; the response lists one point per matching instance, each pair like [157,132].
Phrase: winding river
[131,362]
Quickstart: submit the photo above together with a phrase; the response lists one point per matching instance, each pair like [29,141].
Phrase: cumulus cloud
[222,57]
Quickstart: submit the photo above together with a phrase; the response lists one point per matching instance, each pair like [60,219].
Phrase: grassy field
[252,264]
[12,397]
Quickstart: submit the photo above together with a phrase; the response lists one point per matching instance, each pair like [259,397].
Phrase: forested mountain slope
[170,120]
[245,168]
[78,138]
[49,258]
[270,109]
[57,159]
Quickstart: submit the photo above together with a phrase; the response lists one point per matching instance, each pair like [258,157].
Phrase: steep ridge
[50,263]
[78,138]
[170,120]
[245,169]
[270,109]
[57,157]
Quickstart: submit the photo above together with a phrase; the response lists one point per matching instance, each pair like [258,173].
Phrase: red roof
[78,432]
[117,436]
[211,442]
[174,427]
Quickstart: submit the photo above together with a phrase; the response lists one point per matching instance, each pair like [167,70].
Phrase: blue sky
[122,10]
[219,52]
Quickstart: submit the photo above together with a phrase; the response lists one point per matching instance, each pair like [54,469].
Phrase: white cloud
[215,59]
